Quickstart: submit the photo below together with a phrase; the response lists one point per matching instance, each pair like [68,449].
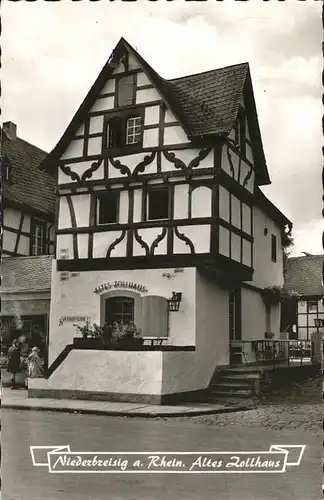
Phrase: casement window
[125,130]
[126,90]
[120,309]
[107,207]
[274,248]
[37,238]
[312,306]
[158,204]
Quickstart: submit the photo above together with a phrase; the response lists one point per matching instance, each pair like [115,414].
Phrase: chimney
[10,129]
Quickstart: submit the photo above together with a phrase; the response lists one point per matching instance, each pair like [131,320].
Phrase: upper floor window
[124,130]
[274,248]
[312,306]
[107,207]
[158,204]
[133,130]
[126,90]
[37,238]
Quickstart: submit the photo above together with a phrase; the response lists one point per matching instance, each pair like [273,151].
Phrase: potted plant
[130,336]
[92,336]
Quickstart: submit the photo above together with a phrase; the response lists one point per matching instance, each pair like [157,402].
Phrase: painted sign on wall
[70,319]
[127,285]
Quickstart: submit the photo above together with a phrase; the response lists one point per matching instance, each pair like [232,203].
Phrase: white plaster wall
[224,204]
[76,297]
[174,135]
[149,235]
[199,236]
[224,241]
[64,242]
[253,315]
[96,125]
[81,204]
[26,223]
[181,200]
[102,241]
[147,95]
[236,212]
[212,337]
[79,168]
[74,149]
[179,372]
[23,245]
[152,115]
[8,241]
[106,372]
[240,168]
[94,146]
[83,241]
[133,63]
[131,161]
[137,215]
[64,218]
[103,104]
[246,218]
[80,130]
[247,253]
[142,79]
[266,272]
[11,217]
[109,86]
[235,247]
[201,202]
[169,117]
[151,138]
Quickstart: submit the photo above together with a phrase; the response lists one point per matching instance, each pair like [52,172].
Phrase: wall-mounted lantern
[318,322]
[174,302]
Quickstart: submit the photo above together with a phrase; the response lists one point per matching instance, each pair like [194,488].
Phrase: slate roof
[30,186]
[304,275]
[206,104]
[26,274]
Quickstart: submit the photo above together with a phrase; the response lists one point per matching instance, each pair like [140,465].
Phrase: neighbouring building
[159,195]
[304,275]
[27,218]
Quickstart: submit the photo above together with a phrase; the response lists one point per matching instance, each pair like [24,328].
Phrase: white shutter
[155,313]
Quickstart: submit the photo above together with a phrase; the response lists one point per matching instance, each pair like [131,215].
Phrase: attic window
[126,90]
[5,166]
[124,130]
[133,130]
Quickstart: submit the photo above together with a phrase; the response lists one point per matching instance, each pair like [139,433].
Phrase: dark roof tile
[304,275]
[30,186]
[26,274]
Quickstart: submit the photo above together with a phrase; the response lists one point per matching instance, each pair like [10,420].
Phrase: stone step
[241,370]
[242,393]
[229,386]
[240,376]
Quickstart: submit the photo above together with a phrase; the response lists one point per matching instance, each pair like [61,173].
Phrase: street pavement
[22,481]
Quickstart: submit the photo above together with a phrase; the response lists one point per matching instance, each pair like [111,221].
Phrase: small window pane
[108,208]
[158,204]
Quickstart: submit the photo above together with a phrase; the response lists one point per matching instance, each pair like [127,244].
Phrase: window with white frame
[133,130]
[38,238]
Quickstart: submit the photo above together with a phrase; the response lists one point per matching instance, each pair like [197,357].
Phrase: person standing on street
[14,362]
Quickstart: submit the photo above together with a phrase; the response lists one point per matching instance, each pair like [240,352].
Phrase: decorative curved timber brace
[179,164]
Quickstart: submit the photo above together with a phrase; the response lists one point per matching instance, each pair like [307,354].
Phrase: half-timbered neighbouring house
[159,197]
[304,275]
[27,218]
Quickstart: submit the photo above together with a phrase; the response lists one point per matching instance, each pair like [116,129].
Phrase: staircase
[235,383]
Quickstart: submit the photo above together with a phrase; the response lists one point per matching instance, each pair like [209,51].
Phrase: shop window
[107,208]
[120,309]
[155,314]
[158,204]
[274,248]
[37,238]
[126,90]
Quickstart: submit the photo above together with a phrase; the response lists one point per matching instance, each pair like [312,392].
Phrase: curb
[86,411]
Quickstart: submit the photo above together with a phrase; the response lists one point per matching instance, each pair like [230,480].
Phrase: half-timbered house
[161,220]
[27,219]
[304,275]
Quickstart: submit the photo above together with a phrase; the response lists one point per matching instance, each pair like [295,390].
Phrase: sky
[52,53]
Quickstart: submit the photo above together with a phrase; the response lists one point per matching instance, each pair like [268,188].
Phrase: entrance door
[235,326]
[120,309]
